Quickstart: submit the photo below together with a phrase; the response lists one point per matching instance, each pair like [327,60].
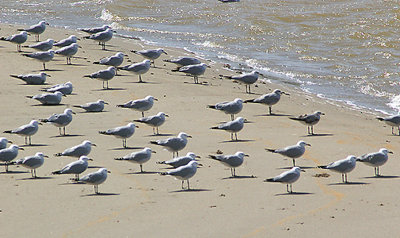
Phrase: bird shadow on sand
[161,134]
[49,70]
[36,178]
[301,167]
[382,177]
[191,190]
[108,89]
[79,65]
[273,115]
[127,148]
[240,177]
[143,82]
[49,105]
[100,194]
[95,167]
[232,141]
[201,83]
[293,194]
[349,183]
[66,135]
[33,145]
[25,84]
[14,172]
[144,172]
[317,135]
[86,112]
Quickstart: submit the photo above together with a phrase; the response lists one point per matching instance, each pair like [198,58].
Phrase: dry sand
[150,205]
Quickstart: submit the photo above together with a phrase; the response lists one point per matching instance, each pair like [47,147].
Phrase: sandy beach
[132,204]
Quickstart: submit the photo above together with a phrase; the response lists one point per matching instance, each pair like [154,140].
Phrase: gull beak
[94,144]
[302,170]
[64,95]
[108,171]
[153,152]
[46,156]
[285,93]
[189,136]
[46,23]
[200,165]
[197,156]
[90,159]
[166,115]
[20,148]
[106,103]
[391,152]
[156,99]
[136,126]
[40,123]
[79,46]
[308,144]
[10,142]
[73,112]
[48,75]
[247,155]
[322,113]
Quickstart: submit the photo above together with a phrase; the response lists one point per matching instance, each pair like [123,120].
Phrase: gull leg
[294,162]
[6,166]
[142,114]
[188,184]
[157,131]
[141,168]
[249,90]
[26,141]
[287,188]
[236,136]
[44,66]
[64,130]
[107,84]
[30,140]
[232,117]
[270,110]
[182,184]
[140,78]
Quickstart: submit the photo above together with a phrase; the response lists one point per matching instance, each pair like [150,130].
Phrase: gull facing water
[26,131]
[288,177]
[268,99]
[309,120]
[139,157]
[293,151]
[32,162]
[343,166]
[184,172]
[375,159]
[122,132]
[60,120]
[76,167]
[231,108]
[232,161]
[154,121]
[173,144]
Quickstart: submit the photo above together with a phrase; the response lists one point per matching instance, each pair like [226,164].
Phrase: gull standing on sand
[138,68]
[42,56]
[293,151]
[95,30]
[150,54]
[287,177]
[232,161]
[173,144]
[103,75]
[17,39]
[32,79]
[42,46]
[194,70]
[122,132]
[101,37]
[67,41]
[95,178]
[64,88]
[26,131]
[140,105]
[79,150]
[247,79]
[375,159]
[154,121]
[76,167]
[309,120]
[68,51]
[268,99]
[232,127]
[231,108]
[343,166]
[48,98]
[60,120]
[114,60]
[393,121]
[32,162]
[36,29]
[4,142]
[97,106]
[139,157]
[8,154]
[180,161]
[184,172]
[183,61]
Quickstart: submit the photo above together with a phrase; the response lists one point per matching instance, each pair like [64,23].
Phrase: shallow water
[343,50]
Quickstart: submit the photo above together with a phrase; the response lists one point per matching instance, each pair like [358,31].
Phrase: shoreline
[218,206]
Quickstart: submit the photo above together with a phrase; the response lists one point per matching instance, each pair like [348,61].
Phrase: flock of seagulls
[184,167]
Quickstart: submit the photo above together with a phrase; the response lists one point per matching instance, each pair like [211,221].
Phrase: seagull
[150,54]
[36,29]
[232,161]
[173,144]
[184,172]
[194,70]
[393,121]
[42,46]
[32,162]
[95,30]
[293,151]
[67,41]
[153,121]
[139,157]
[97,106]
[309,120]
[183,61]
[375,159]
[26,131]
[140,105]
[42,56]
[232,127]
[4,142]
[68,51]
[180,161]
[101,37]
[103,75]
[288,177]
[343,166]
[95,178]
[114,60]
[246,78]
[79,150]
[8,154]
[268,99]
[138,68]
[64,88]
[17,39]
[48,98]
[232,107]
[60,120]
[122,132]
[76,167]
[32,79]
